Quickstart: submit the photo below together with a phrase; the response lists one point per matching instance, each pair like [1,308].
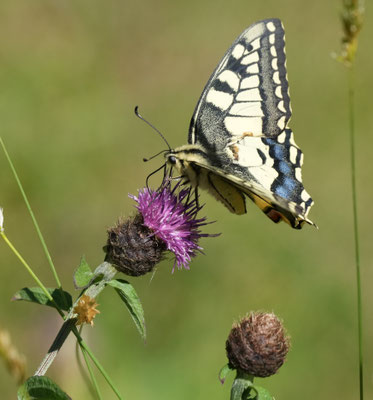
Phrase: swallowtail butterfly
[239,140]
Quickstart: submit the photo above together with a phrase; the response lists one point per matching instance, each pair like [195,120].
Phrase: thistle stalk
[352,21]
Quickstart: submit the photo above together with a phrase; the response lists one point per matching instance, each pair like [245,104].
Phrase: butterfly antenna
[155,155]
[152,126]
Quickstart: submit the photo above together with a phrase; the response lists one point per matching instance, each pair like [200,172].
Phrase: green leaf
[36,295]
[223,373]
[129,296]
[83,275]
[262,394]
[41,388]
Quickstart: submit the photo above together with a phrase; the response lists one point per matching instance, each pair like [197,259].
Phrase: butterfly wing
[229,189]
[248,90]
[241,123]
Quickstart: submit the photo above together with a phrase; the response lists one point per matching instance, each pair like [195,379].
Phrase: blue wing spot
[284,168]
[276,150]
[287,187]
[279,151]
[289,183]
[282,192]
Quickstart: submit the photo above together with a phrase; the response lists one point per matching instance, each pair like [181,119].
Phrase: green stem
[97,363]
[241,385]
[67,327]
[31,272]
[46,251]
[351,101]
[79,353]
[91,374]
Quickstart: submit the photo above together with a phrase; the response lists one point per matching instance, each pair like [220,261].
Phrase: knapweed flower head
[172,217]
[166,220]
[258,344]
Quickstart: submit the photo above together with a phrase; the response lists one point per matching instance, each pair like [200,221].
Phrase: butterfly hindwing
[274,163]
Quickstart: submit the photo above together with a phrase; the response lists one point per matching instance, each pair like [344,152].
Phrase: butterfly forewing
[248,91]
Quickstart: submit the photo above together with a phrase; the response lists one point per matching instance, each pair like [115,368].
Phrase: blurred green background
[71,73]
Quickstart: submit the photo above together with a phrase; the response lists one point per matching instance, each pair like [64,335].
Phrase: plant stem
[91,374]
[97,363]
[80,353]
[67,327]
[63,333]
[31,272]
[240,386]
[46,251]
[351,105]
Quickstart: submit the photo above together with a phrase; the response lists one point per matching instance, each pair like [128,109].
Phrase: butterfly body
[239,140]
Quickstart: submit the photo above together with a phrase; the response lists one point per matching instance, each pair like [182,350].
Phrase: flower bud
[86,310]
[257,345]
[133,248]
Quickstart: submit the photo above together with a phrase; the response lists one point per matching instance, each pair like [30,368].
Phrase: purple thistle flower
[172,218]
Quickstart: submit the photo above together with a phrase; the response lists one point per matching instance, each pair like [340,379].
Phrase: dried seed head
[352,22]
[86,310]
[257,344]
[133,248]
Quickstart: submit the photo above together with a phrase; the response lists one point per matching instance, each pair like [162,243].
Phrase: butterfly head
[187,160]
[175,159]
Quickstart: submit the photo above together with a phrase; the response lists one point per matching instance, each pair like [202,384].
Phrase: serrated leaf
[36,295]
[41,388]
[223,373]
[82,275]
[262,394]
[129,296]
